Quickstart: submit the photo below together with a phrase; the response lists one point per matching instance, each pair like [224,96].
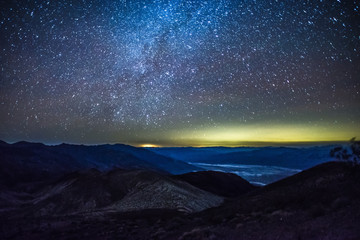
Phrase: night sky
[179,73]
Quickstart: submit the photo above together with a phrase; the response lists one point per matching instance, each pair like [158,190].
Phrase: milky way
[149,71]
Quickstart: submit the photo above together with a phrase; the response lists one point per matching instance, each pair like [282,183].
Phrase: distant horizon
[233,145]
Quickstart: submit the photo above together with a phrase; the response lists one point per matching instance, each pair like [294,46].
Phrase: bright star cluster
[147,72]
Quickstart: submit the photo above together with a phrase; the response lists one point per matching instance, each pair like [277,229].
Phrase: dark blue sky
[179,72]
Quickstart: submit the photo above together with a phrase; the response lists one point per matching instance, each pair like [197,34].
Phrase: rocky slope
[91,192]
[319,203]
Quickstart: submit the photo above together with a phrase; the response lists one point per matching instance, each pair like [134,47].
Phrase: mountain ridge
[28,162]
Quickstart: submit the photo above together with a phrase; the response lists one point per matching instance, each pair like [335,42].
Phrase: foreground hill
[118,190]
[319,203]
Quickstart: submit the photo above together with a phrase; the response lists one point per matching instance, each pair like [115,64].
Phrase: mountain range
[288,157]
[123,192]
[29,162]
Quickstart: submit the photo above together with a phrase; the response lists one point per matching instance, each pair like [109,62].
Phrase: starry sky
[180,72]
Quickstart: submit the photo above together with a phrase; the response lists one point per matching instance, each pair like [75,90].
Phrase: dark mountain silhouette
[25,162]
[319,203]
[168,164]
[219,183]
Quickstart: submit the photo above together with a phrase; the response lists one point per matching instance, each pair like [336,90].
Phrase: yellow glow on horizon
[149,145]
[257,134]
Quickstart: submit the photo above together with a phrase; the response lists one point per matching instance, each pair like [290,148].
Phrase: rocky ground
[320,203]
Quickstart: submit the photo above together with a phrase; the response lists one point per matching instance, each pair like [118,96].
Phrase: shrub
[349,154]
